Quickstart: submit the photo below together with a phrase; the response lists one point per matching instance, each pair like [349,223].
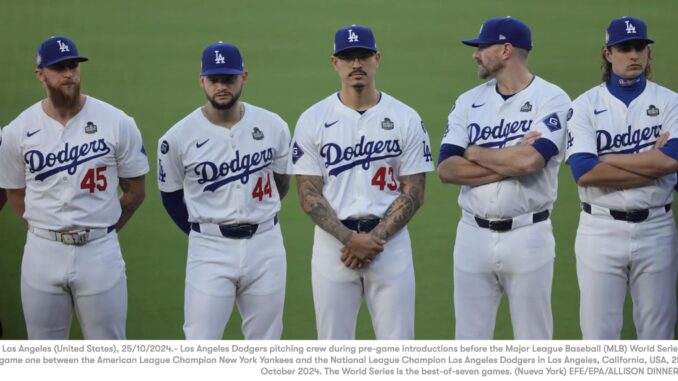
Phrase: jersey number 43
[384,178]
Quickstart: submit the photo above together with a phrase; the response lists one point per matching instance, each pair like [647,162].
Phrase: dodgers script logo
[240,168]
[66,159]
[501,133]
[363,153]
[631,141]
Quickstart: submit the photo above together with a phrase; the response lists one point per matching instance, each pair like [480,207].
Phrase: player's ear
[39,75]
[377,57]
[607,52]
[507,51]
[245,75]
[333,61]
[201,80]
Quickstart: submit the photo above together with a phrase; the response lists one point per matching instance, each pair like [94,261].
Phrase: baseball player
[623,152]
[360,157]
[222,171]
[61,162]
[504,144]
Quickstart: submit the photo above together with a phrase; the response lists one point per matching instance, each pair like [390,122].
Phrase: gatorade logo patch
[552,122]
[297,153]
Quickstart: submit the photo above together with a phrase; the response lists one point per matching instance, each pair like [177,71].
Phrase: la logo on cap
[630,29]
[352,37]
[63,47]
[218,58]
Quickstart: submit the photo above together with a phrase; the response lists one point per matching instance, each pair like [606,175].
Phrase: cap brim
[354,47]
[62,59]
[477,42]
[629,39]
[221,72]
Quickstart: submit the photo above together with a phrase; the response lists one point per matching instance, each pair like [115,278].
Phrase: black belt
[507,224]
[236,231]
[361,226]
[638,215]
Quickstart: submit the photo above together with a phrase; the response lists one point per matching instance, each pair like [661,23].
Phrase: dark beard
[225,106]
[62,99]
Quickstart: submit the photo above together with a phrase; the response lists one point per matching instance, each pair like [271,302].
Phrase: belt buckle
[637,215]
[359,226]
[76,238]
[249,228]
[500,225]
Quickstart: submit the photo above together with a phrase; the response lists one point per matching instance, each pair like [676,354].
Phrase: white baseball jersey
[482,117]
[602,124]
[361,156]
[71,172]
[226,174]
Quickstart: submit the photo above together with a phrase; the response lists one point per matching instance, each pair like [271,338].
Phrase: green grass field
[144,59]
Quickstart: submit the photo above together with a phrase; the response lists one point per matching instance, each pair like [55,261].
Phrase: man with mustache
[504,143]
[623,153]
[222,171]
[61,162]
[360,157]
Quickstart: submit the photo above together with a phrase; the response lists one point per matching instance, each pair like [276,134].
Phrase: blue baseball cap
[503,30]
[626,29]
[221,58]
[354,37]
[57,49]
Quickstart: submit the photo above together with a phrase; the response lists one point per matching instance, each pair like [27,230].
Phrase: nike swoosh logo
[599,111]
[476,106]
[29,134]
[330,124]
[198,145]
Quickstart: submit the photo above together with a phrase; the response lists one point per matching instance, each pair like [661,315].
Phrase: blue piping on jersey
[358,111]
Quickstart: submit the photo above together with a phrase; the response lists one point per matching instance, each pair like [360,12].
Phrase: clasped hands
[361,249]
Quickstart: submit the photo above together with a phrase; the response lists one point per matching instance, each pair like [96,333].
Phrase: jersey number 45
[94,179]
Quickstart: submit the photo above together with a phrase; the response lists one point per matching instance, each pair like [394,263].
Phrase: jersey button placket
[365,182]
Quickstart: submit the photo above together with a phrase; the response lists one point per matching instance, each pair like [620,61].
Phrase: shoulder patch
[297,153]
[552,122]
[164,147]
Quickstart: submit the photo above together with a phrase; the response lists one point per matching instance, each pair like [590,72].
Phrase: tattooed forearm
[282,183]
[401,210]
[309,189]
[133,194]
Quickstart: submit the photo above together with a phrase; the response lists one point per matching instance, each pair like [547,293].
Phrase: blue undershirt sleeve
[449,150]
[546,148]
[176,208]
[671,149]
[580,163]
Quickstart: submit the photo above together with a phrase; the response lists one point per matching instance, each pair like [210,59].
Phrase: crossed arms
[481,165]
[631,170]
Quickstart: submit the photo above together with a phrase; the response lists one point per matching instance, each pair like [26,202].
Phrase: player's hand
[353,262]
[363,247]
[530,138]
[663,138]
